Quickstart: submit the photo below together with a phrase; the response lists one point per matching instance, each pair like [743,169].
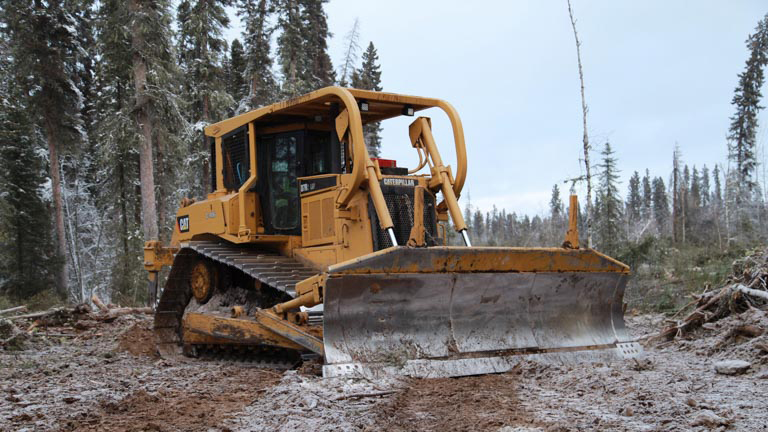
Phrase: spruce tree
[368,77]
[705,187]
[118,137]
[317,69]
[44,44]
[660,205]
[746,102]
[236,85]
[28,261]
[290,48]
[634,199]
[201,49]
[556,217]
[555,204]
[678,232]
[262,86]
[717,194]
[647,196]
[696,194]
[693,206]
[609,206]
[157,112]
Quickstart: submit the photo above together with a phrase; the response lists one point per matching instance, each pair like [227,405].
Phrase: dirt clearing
[106,378]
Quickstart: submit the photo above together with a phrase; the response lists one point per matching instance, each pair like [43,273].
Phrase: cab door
[280,186]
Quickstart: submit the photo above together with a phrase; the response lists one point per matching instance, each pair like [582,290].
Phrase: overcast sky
[656,72]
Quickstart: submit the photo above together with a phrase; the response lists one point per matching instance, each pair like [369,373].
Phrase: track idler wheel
[203,280]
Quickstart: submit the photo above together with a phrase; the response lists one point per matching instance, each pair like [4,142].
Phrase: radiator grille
[399,201]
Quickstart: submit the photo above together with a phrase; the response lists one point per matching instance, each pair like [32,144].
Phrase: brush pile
[734,315]
[18,329]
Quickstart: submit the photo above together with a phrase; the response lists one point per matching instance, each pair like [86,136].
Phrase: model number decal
[183,223]
[399,182]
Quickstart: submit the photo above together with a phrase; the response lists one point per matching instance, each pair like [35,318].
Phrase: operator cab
[284,158]
[298,152]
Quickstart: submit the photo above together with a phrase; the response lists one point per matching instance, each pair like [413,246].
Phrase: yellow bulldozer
[307,247]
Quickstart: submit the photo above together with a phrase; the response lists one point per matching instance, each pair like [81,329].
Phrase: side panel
[205,217]
[317,212]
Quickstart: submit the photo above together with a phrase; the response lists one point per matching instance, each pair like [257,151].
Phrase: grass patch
[668,276]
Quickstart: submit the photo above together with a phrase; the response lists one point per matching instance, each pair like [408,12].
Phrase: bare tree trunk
[584,110]
[58,208]
[350,56]
[726,204]
[206,160]
[675,196]
[144,120]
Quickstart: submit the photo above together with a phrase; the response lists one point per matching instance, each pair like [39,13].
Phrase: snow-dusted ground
[90,383]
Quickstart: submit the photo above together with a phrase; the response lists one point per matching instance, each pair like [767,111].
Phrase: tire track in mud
[488,402]
[202,405]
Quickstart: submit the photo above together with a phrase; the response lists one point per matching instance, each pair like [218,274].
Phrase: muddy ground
[106,378]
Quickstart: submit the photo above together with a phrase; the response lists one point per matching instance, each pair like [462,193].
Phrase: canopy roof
[318,104]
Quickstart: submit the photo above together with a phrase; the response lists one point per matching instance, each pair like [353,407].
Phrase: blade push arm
[420,132]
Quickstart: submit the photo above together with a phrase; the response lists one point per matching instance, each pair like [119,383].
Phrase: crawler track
[279,273]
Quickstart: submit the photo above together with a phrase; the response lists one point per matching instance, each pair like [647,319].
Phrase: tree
[717,194]
[555,204]
[609,208]
[647,196]
[28,261]
[746,101]
[235,76]
[201,49]
[634,199]
[368,77]
[585,136]
[694,206]
[352,39]
[556,217]
[660,205]
[678,218]
[116,131]
[262,86]
[290,48]
[705,187]
[43,38]
[157,111]
[317,68]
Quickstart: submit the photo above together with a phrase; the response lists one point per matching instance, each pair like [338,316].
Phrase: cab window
[283,183]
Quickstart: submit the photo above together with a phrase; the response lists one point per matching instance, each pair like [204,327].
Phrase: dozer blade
[453,311]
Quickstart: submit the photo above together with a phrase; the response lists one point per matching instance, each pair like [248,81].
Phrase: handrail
[362,167]
[461,148]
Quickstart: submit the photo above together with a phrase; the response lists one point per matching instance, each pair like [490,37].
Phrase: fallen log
[99,304]
[13,309]
[48,312]
[751,291]
[112,314]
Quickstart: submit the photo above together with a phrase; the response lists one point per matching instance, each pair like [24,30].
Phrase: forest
[101,123]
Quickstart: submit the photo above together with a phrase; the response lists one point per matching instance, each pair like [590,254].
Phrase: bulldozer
[308,248]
